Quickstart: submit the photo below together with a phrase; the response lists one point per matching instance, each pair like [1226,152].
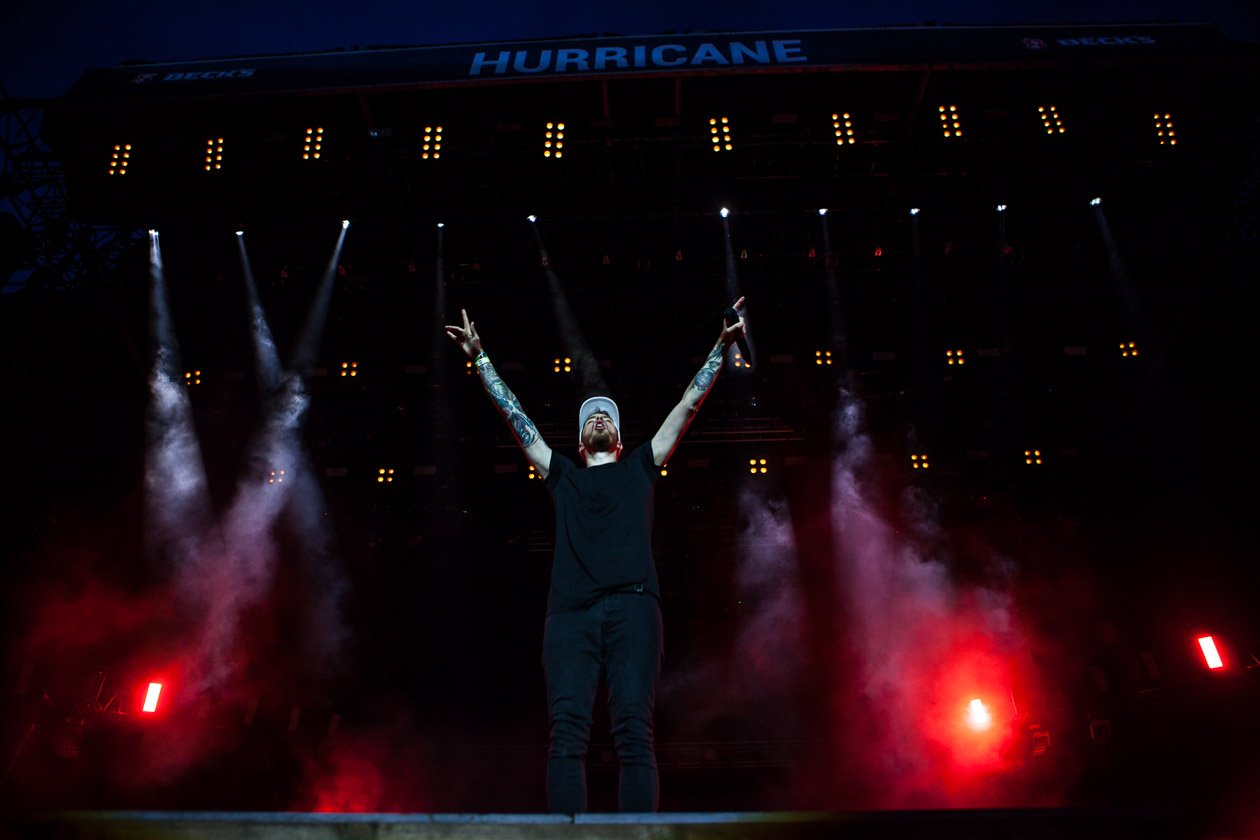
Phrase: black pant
[618,638]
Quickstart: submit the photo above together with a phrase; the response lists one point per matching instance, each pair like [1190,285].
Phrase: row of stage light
[721,138]
[154,697]
[758,466]
[724,212]
[955,358]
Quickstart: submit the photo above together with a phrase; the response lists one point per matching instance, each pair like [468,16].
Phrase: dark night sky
[44,46]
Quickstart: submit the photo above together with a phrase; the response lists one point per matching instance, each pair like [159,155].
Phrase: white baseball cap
[595,405]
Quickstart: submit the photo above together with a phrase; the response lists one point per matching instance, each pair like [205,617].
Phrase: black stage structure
[1052,393]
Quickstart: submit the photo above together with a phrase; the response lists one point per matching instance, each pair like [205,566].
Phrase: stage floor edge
[994,824]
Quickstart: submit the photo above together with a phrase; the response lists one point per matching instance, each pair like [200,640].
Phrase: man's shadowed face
[599,434]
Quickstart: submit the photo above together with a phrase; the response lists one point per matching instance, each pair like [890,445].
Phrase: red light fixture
[1210,654]
[151,698]
[978,716]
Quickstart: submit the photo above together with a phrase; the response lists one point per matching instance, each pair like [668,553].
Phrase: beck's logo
[199,75]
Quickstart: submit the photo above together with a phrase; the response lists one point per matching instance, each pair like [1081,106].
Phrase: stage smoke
[771,635]
[926,645]
[381,770]
[914,647]
[305,506]
[759,685]
[232,568]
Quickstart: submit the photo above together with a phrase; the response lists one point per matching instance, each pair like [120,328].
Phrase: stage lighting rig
[214,154]
[1050,120]
[842,126]
[120,159]
[431,147]
[951,122]
[1165,130]
[553,141]
[313,143]
[720,134]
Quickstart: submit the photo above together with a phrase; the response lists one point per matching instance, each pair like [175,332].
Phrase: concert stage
[985,824]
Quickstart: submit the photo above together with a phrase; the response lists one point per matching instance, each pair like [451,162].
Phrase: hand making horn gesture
[735,328]
[466,336]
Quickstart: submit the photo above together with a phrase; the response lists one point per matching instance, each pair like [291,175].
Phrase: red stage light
[1210,654]
[978,717]
[151,698]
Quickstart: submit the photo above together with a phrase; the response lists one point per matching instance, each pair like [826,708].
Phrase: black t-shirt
[603,529]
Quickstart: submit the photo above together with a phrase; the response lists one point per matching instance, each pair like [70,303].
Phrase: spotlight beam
[440,341]
[176,490]
[1005,306]
[443,494]
[266,357]
[733,293]
[590,379]
[240,570]
[313,330]
[1125,291]
[924,385]
[837,332]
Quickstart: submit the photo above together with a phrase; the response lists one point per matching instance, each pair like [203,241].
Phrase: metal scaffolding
[42,245]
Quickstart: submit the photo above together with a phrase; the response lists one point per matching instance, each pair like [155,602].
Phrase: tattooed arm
[536,449]
[671,431]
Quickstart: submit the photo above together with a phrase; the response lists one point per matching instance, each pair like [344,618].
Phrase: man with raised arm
[603,610]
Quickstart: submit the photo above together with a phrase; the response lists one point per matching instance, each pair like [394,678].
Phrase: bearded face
[599,434]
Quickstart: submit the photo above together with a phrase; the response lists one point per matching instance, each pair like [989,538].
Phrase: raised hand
[737,330]
[466,336]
